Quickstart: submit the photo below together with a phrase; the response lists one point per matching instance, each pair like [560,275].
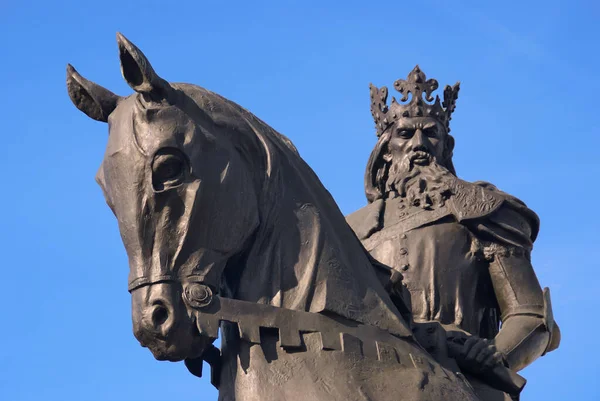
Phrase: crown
[416,84]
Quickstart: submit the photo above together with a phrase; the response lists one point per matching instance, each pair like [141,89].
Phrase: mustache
[420,154]
[411,161]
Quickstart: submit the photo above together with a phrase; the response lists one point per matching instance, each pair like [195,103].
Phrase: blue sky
[525,121]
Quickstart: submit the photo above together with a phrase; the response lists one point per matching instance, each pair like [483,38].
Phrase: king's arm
[528,328]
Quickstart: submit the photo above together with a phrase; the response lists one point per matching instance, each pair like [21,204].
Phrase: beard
[425,185]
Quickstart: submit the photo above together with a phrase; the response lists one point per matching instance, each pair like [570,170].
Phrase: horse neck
[302,242]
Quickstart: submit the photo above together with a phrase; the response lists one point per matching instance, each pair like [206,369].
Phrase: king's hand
[474,354]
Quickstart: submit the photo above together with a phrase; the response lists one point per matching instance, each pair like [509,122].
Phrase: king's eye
[404,133]
[430,132]
[168,169]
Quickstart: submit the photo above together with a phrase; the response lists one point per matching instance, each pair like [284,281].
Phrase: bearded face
[416,151]
[426,186]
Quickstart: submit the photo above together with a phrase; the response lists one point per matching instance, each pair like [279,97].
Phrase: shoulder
[512,222]
[366,220]
[494,189]
[471,200]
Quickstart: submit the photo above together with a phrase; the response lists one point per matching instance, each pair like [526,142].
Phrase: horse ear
[95,101]
[137,71]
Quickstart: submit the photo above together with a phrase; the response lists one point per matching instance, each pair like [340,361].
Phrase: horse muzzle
[162,323]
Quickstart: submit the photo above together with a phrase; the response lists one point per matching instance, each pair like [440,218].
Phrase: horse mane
[260,146]
[252,136]
[255,136]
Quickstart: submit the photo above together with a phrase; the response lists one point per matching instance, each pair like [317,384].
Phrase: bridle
[143,281]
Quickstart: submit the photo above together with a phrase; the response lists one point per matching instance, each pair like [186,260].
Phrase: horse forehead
[136,130]
[121,139]
[124,154]
[167,126]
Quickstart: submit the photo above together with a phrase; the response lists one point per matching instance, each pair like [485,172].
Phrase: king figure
[461,250]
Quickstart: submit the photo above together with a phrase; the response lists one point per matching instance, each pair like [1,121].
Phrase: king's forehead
[418,123]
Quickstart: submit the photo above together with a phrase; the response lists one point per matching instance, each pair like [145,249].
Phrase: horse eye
[168,169]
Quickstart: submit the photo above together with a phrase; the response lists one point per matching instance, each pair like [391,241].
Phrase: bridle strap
[143,281]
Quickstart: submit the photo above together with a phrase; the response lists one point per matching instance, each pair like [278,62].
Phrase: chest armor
[443,268]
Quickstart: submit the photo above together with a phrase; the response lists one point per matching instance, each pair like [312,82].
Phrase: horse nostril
[160,314]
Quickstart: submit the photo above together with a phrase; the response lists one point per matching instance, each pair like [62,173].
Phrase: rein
[334,334]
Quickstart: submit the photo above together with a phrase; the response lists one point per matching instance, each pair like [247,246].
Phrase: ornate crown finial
[416,85]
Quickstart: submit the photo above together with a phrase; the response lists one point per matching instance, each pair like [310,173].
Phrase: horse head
[184,201]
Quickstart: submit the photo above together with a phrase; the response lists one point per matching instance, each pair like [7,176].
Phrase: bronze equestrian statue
[463,249]
[227,229]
